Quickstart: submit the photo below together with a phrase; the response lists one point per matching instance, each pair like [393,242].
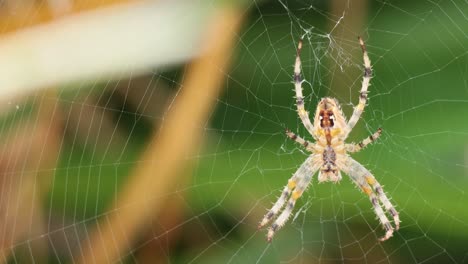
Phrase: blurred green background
[419,96]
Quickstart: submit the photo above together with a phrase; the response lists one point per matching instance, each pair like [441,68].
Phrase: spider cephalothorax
[329,154]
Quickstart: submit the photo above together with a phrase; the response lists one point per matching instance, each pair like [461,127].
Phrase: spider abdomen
[329,155]
[329,171]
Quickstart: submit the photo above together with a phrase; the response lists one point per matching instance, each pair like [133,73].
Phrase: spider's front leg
[369,185]
[365,84]
[303,114]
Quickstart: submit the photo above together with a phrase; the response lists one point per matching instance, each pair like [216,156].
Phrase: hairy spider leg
[365,84]
[384,199]
[358,147]
[280,202]
[288,189]
[305,143]
[364,180]
[303,114]
[304,176]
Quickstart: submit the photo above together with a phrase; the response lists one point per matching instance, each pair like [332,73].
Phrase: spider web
[418,95]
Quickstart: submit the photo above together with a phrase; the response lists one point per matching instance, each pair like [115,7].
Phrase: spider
[329,154]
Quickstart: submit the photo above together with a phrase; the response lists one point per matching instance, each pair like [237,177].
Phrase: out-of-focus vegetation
[419,96]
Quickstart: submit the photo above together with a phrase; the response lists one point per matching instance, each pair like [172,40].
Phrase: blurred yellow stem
[28,159]
[179,137]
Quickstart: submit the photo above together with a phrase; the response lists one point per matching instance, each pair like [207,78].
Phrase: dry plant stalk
[166,227]
[179,137]
[27,162]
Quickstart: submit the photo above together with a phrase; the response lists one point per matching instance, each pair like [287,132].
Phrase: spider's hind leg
[369,185]
[289,187]
[284,216]
[296,186]
[280,203]
[384,199]
[304,176]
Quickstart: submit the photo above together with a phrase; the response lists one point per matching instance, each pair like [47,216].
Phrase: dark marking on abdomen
[329,155]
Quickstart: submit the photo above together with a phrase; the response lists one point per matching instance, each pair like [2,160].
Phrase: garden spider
[329,154]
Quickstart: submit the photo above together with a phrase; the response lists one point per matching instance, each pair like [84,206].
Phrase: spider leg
[303,114]
[298,139]
[303,171]
[365,84]
[358,147]
[369,185]
[304,177]
[384,199]
[280,203]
